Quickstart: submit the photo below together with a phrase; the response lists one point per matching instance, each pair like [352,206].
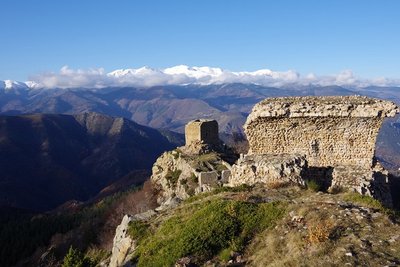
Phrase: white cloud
[181,75]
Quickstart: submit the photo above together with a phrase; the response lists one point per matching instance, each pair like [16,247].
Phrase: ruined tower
[202,131]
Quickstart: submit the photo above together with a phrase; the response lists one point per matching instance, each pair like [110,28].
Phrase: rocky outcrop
[268,170]
[182,173]
[124,246]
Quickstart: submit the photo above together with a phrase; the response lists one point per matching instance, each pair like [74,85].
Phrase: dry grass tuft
[277,184]
[320,232]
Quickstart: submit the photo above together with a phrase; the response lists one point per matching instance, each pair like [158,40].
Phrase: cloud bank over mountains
[182,75]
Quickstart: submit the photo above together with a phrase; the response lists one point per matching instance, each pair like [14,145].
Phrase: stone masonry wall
[329,131]
[324,141]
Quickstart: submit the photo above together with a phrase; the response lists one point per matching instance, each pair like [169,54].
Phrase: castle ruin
[292,140]
[335,134]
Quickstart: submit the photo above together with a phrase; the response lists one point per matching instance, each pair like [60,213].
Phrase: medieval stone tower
[202,131]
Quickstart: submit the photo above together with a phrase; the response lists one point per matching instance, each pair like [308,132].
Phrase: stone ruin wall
[325,141]
[329,131]
[336,135]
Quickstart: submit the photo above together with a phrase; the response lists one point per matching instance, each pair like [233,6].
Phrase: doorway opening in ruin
[321,175]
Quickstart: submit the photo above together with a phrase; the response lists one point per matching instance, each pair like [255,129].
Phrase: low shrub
[313,185]
[320,232]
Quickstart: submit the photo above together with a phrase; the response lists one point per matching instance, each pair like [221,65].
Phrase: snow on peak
[131,72]
[194,72]
[14,85]
[183,75]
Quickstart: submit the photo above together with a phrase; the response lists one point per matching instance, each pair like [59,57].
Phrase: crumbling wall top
[323,106]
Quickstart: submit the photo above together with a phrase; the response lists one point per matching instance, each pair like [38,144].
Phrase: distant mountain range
[46,160]
[169,107]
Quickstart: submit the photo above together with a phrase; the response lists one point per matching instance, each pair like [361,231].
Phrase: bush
[75,258]
[215,226]
[313,185]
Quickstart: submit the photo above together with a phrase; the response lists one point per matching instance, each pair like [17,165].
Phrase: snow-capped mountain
[184,75]
[9,85]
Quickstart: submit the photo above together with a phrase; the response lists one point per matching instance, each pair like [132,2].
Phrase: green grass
[206,231]
[240,188]
[373,203]
[225,255]
[363,200]
[197,197]
[137,229]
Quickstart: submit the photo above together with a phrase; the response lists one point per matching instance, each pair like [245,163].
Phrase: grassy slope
[275,227]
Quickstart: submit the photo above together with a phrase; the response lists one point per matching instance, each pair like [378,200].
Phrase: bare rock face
[123,244]
[173,176]
[268,169]
[181,173]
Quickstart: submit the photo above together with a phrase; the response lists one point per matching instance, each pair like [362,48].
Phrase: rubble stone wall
[268,169]
[325,141]
[329,131]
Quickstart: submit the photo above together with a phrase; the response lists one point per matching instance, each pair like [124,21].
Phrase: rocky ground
[332,230]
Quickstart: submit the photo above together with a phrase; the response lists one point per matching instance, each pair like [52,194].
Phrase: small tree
[75,258]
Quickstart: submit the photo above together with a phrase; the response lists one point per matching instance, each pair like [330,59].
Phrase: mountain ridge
[41,154]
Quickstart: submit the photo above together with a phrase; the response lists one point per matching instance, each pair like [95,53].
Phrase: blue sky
[323,37]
